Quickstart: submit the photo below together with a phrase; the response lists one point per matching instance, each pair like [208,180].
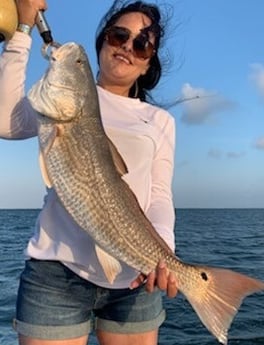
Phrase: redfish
[79,161]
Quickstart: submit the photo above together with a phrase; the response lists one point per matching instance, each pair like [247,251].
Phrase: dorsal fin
[44,151]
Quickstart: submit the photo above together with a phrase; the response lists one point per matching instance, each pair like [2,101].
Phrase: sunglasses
[116,36]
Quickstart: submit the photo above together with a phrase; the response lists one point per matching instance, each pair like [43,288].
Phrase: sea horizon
[225,238]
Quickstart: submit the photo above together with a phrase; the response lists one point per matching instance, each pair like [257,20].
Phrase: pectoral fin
[44,151]
[118,160]
[44,171]
[110,265]
[47,144]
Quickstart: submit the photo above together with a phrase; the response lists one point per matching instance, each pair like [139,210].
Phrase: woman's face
[119,67]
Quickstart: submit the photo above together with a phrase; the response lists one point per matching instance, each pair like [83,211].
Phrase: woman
[63,282]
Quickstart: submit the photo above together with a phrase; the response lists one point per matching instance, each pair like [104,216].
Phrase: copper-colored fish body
[85,170]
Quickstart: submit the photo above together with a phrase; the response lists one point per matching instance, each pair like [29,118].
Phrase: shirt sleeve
[17,117]
[161,211]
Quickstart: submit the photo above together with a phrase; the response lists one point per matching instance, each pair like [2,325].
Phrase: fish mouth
[53,85]
[51,82]
[63,87]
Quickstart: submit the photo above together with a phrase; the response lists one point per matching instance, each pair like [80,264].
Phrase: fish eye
[79,62]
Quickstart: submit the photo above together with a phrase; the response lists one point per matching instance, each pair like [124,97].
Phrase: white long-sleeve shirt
[143,134]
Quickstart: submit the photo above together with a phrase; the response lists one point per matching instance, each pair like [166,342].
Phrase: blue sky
[216,53]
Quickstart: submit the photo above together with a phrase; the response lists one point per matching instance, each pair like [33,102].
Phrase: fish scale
[105,216]
[85,171]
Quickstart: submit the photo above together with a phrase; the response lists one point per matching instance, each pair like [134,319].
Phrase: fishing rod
[43,28]
[45,33]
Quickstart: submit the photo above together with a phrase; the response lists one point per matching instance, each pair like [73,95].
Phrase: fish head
[61,92]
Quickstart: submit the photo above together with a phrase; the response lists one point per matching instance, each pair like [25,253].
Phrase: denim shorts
[55,303]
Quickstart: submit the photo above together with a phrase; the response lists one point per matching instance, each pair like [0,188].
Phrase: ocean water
[230,238]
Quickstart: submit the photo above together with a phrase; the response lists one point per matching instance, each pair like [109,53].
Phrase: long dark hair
[149,80]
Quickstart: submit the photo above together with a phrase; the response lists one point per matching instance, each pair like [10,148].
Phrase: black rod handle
[43,28]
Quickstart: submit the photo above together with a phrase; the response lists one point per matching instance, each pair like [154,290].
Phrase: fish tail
[218,295]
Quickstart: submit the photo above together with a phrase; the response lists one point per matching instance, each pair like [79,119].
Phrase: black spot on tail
[204,276]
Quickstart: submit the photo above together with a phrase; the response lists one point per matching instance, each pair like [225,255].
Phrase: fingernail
[172,278]
[172,281]
[162,264]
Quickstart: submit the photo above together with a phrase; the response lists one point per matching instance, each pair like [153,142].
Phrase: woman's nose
[128,45]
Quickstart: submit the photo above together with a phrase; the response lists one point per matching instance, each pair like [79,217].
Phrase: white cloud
[259,144]
[215,153]
[257,75]
[182,163]
[200,105]
[235,155]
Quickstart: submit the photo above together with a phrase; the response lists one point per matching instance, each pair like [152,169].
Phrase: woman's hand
[161,278]
[27,10]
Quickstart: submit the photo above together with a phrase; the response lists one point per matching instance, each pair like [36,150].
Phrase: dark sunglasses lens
[117,36]
[143,48]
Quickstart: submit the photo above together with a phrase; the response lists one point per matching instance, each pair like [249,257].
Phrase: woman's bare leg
[147,338]
[31,341]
